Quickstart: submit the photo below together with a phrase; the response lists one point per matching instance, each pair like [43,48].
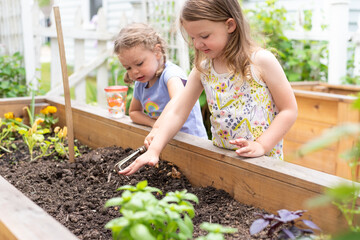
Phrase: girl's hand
[248,148]
[148,158]
[150,137]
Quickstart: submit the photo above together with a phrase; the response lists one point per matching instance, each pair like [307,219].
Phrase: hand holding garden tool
[132,156]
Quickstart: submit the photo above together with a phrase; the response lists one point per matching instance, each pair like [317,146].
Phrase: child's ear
[157,51]
[231,25]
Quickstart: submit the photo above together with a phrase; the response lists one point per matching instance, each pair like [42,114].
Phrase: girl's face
[210,37]
[141,63]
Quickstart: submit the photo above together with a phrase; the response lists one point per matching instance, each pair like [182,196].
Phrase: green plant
[5,132]
[58,141]
[43,3]
[350,77]
[12,76]
[47,114]
[283,224]
[215,231]
[302,60]
[146,217]
[32,137]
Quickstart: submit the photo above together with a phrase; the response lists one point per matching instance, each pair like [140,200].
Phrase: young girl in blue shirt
[141,51]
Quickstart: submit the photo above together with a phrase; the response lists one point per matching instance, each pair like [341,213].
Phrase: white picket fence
[159,13]
[334,14]
[104,43]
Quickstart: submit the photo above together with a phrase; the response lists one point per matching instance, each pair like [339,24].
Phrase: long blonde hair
[137,34]
[238,51]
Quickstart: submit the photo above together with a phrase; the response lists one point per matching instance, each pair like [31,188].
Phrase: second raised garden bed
[322,106]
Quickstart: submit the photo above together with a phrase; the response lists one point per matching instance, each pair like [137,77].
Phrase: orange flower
[39,121]
[44,111]
[18,119]
[51,109]
[9,115]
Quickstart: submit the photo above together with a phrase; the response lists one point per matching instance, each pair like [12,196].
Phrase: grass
[44,84]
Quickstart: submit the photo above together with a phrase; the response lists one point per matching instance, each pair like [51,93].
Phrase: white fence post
[79,59]
[55,67]
[102,73]
[338,39]
[28,39]
[356,40]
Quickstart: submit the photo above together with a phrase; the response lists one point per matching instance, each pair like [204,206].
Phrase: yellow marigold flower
[51,109]
[39,121]
[9,115]
[65,131]
[18,119]
[44,111]
[56,129]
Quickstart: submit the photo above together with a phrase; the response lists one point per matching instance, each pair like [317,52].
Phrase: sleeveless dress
[238,108]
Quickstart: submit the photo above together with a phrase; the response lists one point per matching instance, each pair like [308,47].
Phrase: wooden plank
[5,232]
[16,105]
[324,96]
[317,110]
[346,113]
[350,90]
[305,130]
[322,160]
[26,220]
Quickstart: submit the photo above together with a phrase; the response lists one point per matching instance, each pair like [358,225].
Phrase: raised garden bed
[263,182]
[322,106]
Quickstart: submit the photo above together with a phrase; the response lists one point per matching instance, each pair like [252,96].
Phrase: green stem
[5,149]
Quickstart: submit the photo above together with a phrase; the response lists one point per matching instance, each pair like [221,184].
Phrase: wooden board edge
[26,220]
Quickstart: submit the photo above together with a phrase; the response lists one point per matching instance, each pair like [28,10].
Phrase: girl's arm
[273,75]
[176,113]
[175,86]
[137,115]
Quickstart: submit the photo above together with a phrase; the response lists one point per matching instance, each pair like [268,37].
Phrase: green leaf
[343,192]
[118,223]
[117,201]
[141,185]
[127,187]
[348,236]
[140,231]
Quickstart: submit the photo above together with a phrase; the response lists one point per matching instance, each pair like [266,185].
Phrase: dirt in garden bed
[75,193]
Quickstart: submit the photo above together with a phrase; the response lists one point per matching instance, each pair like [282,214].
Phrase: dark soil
[75,193]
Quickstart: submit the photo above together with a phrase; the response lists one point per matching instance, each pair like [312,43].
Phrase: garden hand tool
[139,150]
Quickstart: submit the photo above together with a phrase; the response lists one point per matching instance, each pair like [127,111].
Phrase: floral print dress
[238,108]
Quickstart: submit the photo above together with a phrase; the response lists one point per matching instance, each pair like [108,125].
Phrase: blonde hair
[239,48]
[137,34]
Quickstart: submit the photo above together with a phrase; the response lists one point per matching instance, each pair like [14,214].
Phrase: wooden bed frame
[261,182]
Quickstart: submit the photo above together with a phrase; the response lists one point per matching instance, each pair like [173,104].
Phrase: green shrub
[12,76]
[302,60]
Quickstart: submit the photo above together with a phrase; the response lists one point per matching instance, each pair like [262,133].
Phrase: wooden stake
[68,111]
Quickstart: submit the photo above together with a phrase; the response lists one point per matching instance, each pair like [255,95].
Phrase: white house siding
[114,10]
[354,15]
[11,38]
